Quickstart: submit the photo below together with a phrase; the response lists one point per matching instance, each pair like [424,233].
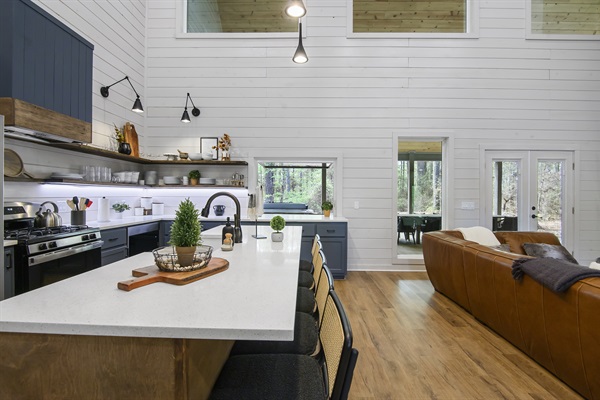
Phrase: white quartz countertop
[8,243]
[130,221]
[254,299]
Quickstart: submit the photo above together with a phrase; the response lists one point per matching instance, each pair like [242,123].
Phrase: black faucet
[237,224]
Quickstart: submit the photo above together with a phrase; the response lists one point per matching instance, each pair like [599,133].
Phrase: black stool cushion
[305,279]
[270,377]
[306,340]
[305,301]
[306,265]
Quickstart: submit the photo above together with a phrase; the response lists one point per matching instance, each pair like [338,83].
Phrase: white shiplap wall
[354,95]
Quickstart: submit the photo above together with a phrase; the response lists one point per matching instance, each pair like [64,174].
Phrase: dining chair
[307,265]
[306,327]
[407,226]
[308,280]
[293,376]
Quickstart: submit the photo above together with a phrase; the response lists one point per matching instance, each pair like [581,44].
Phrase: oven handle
[69,251]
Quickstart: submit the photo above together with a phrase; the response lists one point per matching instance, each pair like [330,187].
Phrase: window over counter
[294,184]
[235,18]
[413,18]
[563,19]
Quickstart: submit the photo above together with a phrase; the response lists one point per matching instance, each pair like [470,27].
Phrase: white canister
[146,203]
[158,208]
[151,177]
[185,180]
[138,211]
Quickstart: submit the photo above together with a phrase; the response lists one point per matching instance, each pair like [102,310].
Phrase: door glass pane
[505,178]
[550,196]
[428,185]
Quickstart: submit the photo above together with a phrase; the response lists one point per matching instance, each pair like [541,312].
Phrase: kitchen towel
[103,210]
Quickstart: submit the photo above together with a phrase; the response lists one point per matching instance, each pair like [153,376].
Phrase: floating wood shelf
[84,148]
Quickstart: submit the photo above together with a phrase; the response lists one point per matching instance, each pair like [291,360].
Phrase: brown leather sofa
[560,331]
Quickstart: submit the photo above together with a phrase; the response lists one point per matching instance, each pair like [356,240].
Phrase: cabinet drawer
[113,238]
[308,229]
[331,229]
[113,255]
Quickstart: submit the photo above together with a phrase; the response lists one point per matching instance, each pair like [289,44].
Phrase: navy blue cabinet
[44,63]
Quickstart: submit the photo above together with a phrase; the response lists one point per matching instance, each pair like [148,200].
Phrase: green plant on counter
[277,223]
[120,207]
[195,174]
[186,228]
[327,205]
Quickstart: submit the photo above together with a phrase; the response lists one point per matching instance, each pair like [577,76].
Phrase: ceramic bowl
[195,156]
[207,156]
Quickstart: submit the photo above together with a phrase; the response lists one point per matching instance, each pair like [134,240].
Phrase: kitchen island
[84,338]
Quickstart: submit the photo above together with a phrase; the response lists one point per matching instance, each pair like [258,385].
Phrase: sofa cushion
[516,239]
[479,234]
[543,250]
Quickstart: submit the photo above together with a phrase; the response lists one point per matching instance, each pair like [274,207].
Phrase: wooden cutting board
[147,275]
[131,137]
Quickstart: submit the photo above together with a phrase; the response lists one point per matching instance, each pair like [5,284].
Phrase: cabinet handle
[9,262]
[112,239]
[330,230]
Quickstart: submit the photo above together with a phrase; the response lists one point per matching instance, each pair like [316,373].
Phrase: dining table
[421,223]
[84,338]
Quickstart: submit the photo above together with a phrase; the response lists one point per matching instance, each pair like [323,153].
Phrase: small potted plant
[327,206]
[194,177]
[124,147]
[185,232]
[119,208]
[277,224]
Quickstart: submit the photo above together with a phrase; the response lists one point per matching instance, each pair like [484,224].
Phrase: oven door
[45,269]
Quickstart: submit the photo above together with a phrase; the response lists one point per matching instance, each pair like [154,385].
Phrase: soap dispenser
[228,229]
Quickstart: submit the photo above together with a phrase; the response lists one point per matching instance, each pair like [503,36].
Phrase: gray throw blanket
[556,275]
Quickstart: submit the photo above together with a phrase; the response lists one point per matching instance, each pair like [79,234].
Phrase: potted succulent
[277,224]
[194,177]
[185,232]
[327,206]
[119,208]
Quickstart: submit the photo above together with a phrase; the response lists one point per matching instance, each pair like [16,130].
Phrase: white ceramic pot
[277,236]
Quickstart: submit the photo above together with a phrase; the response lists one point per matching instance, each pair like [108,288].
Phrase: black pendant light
[185,118]
[137,105]
[295,8]
[300,56]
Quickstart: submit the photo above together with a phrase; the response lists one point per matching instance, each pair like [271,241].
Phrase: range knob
[42,246]
[92,236]
[52,245]
[85,237]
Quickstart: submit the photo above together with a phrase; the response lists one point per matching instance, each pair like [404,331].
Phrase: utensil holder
[78,218]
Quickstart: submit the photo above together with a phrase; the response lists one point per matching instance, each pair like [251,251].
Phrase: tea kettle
[48,218]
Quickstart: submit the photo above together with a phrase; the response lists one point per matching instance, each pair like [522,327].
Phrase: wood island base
[36,366]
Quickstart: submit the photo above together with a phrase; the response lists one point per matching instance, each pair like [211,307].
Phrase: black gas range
[47,255]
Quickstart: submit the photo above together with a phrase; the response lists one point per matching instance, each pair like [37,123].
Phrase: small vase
[118,215]
[225,155]
[124,148]
[277,236]
[326,213]
[193,181]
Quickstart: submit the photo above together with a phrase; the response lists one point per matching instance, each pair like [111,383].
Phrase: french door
[530,191]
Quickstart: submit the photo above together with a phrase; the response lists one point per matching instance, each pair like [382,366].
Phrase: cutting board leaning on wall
[131,137]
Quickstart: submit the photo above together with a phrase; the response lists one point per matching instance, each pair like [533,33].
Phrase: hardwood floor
[414,343]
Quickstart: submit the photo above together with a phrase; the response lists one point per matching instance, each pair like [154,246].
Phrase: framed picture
[207,144]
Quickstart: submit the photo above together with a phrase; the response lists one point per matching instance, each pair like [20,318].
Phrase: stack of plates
[58,175]
[207,181]
[171,180]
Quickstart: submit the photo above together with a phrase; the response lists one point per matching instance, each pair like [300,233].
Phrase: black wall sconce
[300,56]
[137,105]
[295,8]
[185,118]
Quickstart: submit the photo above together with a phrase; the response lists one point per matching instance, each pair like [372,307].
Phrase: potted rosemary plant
[185,232]
[327,206]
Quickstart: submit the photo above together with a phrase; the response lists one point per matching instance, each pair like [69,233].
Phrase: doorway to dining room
[419,194]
